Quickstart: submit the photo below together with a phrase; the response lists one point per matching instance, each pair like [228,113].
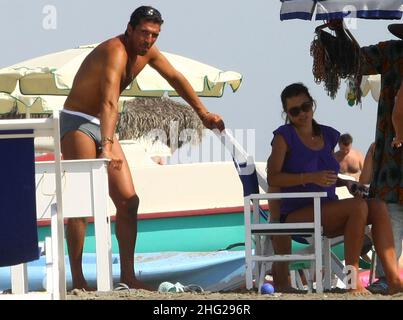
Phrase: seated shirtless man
[88,121]
[351,161]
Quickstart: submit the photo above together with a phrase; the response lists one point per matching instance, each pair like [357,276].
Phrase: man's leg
[383,238]
[77,145]
[346,217]
[396,220]
[121,190]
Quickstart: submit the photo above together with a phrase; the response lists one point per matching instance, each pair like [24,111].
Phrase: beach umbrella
[36,80]
[16,103]
[338,9]
[26,105]
[160,120]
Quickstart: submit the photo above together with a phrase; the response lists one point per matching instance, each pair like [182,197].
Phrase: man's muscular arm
[114,64]
[184,89]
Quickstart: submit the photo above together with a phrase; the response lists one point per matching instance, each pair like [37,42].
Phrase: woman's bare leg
[280,270]
[281,245]
[346,217]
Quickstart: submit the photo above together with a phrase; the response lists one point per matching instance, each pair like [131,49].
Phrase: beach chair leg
[249,266]
[49,264]
[262,275]
[19,279]
[102,231]
[293,279]
[337,268]
[327,266]
[258,264]
[57,256]
[300,285]
[310,276]
[373,267]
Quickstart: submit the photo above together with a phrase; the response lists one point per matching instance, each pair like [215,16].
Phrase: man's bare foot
[83,286]
[136,284]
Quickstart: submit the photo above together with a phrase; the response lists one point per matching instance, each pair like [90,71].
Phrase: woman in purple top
[302,160]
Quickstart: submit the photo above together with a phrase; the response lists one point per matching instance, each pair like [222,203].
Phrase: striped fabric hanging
[338,9]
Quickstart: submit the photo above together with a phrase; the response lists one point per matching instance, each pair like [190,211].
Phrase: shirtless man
[351,161]
[88,123]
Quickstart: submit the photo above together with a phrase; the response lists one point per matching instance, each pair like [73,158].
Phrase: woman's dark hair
[294,90]
[145,13]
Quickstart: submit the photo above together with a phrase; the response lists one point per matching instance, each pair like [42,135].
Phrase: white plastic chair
[41,128]
[257,260]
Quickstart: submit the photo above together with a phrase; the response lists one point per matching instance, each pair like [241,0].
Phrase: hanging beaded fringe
[333,60]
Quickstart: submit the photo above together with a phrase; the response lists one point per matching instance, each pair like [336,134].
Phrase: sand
[148,295]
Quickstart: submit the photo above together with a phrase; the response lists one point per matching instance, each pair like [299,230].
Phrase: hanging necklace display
[336,58]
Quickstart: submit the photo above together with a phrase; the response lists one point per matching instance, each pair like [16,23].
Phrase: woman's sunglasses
[305,107]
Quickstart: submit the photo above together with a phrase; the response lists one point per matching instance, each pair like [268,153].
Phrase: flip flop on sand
[193,288]
[121,287]
[178,287]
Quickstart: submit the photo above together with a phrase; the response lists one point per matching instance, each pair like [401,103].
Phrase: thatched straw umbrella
[178,122]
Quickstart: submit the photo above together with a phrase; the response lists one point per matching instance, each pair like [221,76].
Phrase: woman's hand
[325,178]
[115,162]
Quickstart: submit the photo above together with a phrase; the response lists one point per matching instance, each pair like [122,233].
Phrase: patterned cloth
[386,58]
[301,159]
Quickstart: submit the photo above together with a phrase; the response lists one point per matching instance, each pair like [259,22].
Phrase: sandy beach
[148,295]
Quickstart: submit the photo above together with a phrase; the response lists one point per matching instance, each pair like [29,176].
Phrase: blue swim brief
[73,120]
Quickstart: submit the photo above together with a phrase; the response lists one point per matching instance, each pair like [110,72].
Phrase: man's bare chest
[131,72]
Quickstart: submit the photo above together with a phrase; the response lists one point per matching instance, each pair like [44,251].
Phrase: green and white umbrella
[44,82]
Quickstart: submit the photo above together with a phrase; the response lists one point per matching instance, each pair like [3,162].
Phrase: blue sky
[243,36]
